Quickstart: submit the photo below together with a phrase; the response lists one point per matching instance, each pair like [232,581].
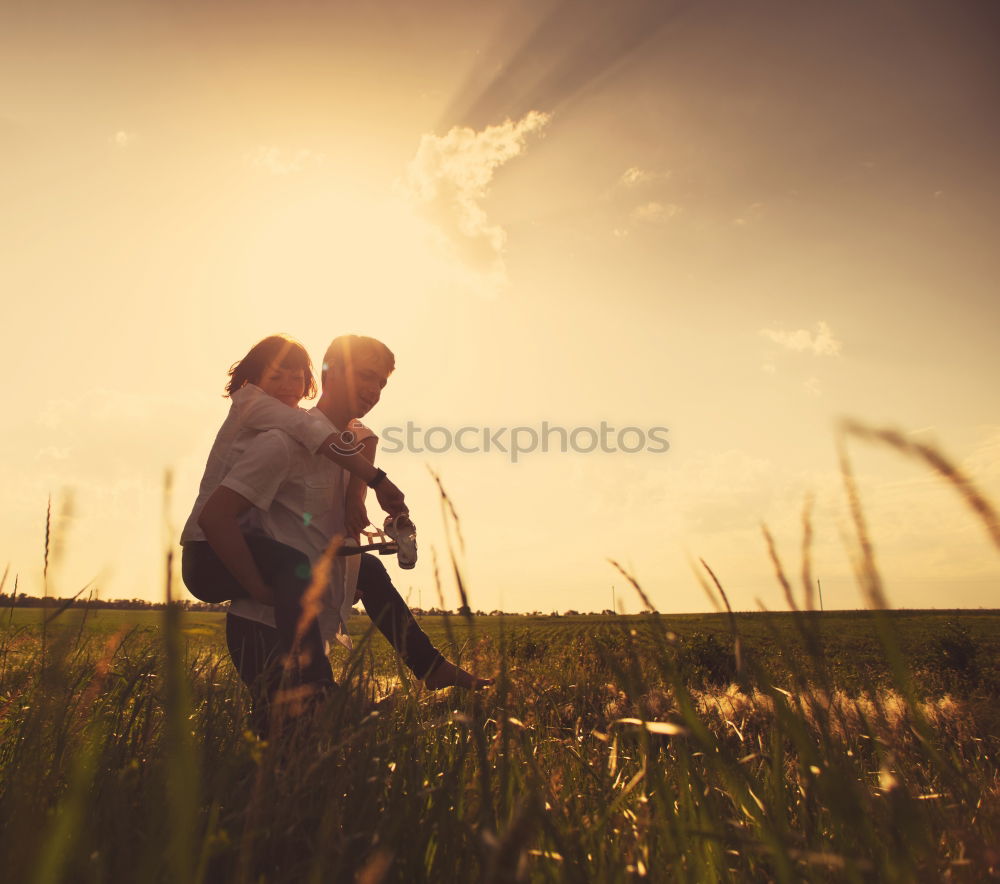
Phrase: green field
[843,746]
[853,651]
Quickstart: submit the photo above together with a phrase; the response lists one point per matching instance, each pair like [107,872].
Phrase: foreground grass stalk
[180,761]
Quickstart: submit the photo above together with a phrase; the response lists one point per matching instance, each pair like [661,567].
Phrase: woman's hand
[262,593]
[219,520]
[356,517]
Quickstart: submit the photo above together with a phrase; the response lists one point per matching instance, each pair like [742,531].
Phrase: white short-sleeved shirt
[251,412]
[306,515]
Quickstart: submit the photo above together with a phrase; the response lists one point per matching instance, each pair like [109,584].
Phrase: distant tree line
[23,600]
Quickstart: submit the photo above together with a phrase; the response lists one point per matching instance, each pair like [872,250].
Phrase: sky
[725,226]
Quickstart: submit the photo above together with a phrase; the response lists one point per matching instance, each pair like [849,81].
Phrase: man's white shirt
[298,500]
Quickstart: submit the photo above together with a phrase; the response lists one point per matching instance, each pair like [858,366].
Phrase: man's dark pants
[287,573]
[257,650]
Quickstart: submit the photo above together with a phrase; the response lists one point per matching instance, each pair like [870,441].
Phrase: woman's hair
[280,349]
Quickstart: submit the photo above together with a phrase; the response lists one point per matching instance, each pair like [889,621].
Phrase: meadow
[611,749]
[801,746]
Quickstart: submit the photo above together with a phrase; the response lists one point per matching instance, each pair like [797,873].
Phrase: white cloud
[822,343]
[726,491]
[635,177]
[655,213]
[768,368]
[451,175]
[75,437]
[811,386]
[54,452]
[983,465]
[753,213]
[122,139]
[277,161]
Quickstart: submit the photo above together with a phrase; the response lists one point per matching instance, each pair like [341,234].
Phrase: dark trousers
[256,649]
[387,609]
[287,573]
[252,645]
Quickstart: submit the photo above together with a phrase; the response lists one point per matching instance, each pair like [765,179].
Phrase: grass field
[838,746]
[853,650]
[612,748]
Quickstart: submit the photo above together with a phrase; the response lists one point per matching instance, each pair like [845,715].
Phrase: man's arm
[219,520]
[360,464]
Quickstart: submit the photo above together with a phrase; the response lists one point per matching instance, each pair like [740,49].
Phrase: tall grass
[599,756]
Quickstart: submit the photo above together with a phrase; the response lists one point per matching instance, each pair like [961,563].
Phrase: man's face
[360,384]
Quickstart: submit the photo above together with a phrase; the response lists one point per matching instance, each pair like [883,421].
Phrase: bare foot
[448,675]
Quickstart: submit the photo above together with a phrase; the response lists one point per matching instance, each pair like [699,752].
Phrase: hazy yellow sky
[736,221]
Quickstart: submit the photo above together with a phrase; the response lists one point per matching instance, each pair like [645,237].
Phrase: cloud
[122,139]
[636,177]
[277,161]
[983,464]
[754,212]
[75,437]
[811,386]
[655,213]
[822,343]
[648,214]
[726,491]
[451,175]
[636,181]
[53,451]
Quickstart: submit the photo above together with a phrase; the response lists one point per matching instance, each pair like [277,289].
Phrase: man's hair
[348,349]
[282,349]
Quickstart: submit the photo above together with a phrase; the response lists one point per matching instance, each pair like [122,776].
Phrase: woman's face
[283,383]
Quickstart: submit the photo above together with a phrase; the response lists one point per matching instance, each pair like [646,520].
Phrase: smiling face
[285,383]
[357,387]
[365,382]
[279,365]
[356,368]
